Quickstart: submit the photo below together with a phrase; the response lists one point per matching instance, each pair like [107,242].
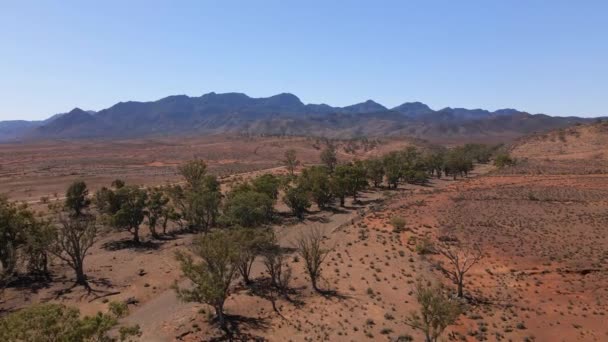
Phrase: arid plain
[541,225]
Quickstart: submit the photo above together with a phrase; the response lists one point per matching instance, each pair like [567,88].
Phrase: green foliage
[352,177]
[132,210]
[220,253]
[374,170]
[38,236]
[317,182]
[291,161]
[296,198]
[398,223]
[118,183]
[194,173]
[434,161]
[436,311]
[425,246]
[480,153]
[77,200]
[156,209]
[457,162]
[124,207]
[329,158]
[199,200]
[246,207]
[21,228]
[58,323]
[392,168]
[252,242]
[503,160]
[267,184]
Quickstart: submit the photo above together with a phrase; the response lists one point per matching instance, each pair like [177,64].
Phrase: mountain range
[282,114]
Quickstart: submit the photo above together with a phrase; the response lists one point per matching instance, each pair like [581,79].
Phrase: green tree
[39,235]
[374,170]
[329,158]
[436,311]
[156,206]
[503,160]
[199,200]
[457,163]
[194,173]
[353,177]
[246,207]
[125,207]
[435,161]
[297,200]
[316,181]
[291,161]
[252,243]
[392,168]
[15,221]
[220,253]
[76,198]
[267,184]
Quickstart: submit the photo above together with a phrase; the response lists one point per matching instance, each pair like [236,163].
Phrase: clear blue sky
[538,56]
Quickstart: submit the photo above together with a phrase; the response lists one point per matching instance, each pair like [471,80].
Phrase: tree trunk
[165,221]
[81,278]
[153,232]
[219,311]
[136,235]
[341,201]
[460,286]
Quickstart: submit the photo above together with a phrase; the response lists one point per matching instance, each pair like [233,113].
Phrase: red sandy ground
[543,277]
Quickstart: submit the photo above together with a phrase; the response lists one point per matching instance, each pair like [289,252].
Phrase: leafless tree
[74,237]
[311,250]
[460,258]
[279,272]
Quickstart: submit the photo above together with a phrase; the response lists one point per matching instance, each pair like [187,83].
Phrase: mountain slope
[580,142]
[282,114]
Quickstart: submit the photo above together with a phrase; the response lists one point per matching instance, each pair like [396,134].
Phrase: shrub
[398,223]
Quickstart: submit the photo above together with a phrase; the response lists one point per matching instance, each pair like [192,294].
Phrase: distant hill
[282,114]
[587,142]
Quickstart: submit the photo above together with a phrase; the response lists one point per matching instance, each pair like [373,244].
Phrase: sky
[537,56]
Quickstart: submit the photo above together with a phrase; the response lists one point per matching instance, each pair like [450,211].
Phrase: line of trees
[198,204]
[72,227]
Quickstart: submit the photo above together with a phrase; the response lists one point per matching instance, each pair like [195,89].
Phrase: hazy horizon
[532,56]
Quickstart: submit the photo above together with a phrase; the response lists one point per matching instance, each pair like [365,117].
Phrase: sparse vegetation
[55,322]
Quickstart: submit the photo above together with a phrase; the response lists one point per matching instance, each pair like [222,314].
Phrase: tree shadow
[32,283]
[238,327]
[331,294]
[319,219]
[130,244]
[262,287]
[369,201]
[97,291]
[336,210]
